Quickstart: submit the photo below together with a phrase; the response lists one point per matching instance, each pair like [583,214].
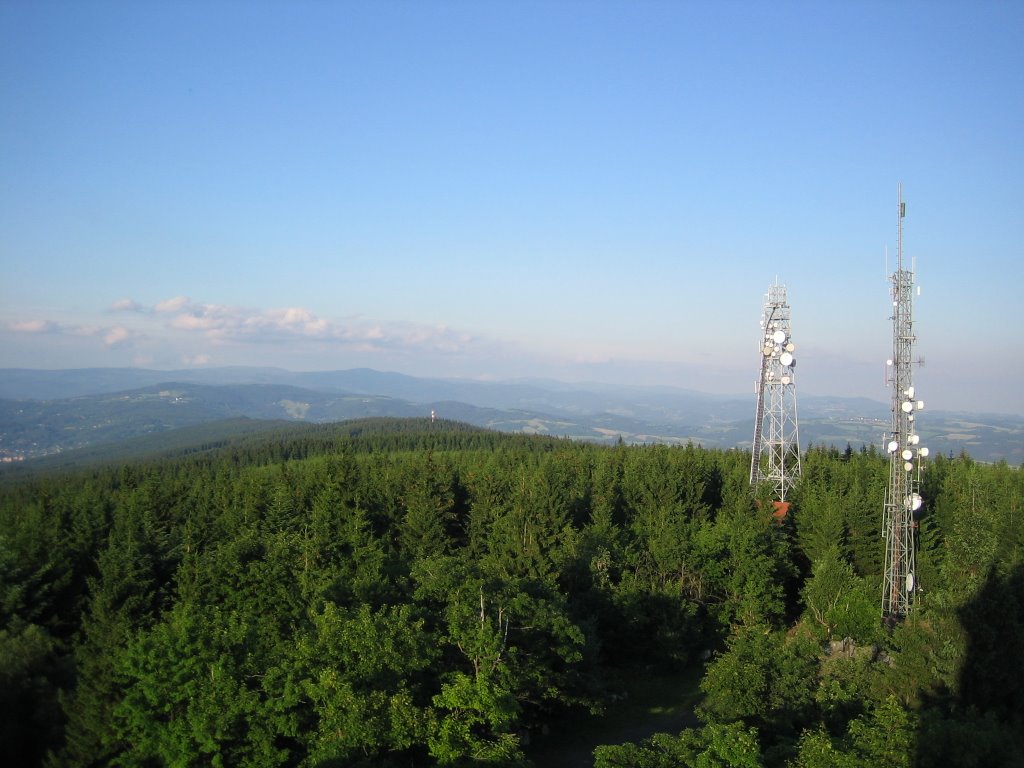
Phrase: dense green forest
[408,593]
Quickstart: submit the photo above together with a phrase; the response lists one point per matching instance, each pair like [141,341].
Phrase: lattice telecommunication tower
[776,454]
[902,499]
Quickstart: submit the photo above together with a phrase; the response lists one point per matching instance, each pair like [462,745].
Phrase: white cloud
[196,322]
[180,329]
[172,305]
[222,324]
[34,326]
[112,336]
[295,315]
[50,326]
[126,305]
[116,335]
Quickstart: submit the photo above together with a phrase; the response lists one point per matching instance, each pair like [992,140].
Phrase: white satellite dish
[915,439]
[907,466]
[907,406]
[779,336]
[920,405]
[916,501]
[907,454]
[790,347]
[786,359]
[910,582]
[893,445]
[923,452]
[785,379]
[910,392]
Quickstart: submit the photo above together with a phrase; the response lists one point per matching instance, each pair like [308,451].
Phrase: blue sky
[591,191]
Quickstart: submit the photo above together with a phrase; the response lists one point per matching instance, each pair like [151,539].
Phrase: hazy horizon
[584,192]
[582,385]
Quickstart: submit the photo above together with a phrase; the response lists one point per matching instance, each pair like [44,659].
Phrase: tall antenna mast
[902,499]
[776,453]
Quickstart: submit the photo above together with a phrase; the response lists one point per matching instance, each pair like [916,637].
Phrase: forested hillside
[410,593]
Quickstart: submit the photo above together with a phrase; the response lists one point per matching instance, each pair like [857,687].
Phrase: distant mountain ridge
[48,411]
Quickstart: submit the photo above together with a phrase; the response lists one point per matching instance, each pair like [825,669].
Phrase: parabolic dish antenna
[786,358]
[907,406]
[907,454]
[785,379]
[893,445]
[923,452]
[779,336]
[910,582]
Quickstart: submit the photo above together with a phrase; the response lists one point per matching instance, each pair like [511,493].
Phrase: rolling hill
[48,412]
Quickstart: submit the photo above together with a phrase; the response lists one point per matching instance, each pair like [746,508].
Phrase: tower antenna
[902,500]
[776,453]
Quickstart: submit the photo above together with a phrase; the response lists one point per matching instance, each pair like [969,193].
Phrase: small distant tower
[776,454]
[902,500]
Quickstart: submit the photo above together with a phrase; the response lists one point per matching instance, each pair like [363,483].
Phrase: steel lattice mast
[902,499]
[776,452]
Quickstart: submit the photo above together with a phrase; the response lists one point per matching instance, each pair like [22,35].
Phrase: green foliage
[361,671]
[821,525]
[883,736]
[762,679]
[839,602]
[125,597]
[714,746]
[737,683]
[407,593]
[478,712]
[729,746]
[29,680]
[742,557]
[818,750]
[659,751]
[194,696]
[847,685]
